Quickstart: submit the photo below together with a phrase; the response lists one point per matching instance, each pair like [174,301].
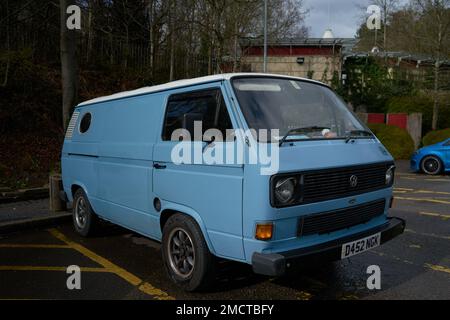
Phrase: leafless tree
[433,28]
[69,66]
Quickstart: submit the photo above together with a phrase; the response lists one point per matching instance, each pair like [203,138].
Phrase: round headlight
[389,176]
[284,190]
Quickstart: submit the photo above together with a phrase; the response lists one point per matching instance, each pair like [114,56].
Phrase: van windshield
[299,109]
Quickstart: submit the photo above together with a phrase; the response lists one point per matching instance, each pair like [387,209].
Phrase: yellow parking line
[35,246]
[413,176]
[431,191]
[410,190]
[405,174]
[438,268]
[111,267]
[347,296]
[403,189]
[155,292]
[48,268]
[423,200]
[427,234]
[303,295]
[432,214]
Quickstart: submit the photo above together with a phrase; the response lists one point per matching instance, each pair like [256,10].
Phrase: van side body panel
[214,191]
[79,157]
[121,183]
[117,174]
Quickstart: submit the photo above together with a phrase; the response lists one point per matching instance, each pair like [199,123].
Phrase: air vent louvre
[72,124]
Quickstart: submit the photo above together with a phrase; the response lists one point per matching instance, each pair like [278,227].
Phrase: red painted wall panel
[397,119]
[375,118]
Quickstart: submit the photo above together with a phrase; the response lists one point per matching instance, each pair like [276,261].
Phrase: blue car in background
[433,159]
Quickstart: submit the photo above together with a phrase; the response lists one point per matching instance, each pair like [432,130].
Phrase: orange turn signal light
[264,231]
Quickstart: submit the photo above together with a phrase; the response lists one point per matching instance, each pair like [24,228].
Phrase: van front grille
[330,221]
[336,183]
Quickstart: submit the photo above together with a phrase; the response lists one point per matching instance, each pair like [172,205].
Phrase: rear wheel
[186,255]
[431,165]
[84,218]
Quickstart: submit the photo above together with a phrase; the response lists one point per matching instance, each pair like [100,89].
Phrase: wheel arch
[74,186]
[170,209]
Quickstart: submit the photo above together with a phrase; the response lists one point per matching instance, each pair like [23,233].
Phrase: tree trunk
[385,13]
[172,42]
[151,40]
[435,96]
[8,53]
[90,35]
[235,60]
[127,48]
[69,68]
[210,57]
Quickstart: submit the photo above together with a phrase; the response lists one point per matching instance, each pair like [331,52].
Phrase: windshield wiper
[353,132]
[300,130]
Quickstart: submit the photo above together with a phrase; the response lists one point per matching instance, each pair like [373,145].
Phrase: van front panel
[302,154]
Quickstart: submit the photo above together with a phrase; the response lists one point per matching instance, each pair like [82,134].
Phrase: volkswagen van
[326,196]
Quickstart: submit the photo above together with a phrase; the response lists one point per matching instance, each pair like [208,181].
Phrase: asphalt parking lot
[118,264]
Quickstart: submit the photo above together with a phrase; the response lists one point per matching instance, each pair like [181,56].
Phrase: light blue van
[328,198]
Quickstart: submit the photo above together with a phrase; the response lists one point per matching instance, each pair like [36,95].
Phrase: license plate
[351,248]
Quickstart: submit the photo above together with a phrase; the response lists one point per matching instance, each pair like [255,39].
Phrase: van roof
[183,83]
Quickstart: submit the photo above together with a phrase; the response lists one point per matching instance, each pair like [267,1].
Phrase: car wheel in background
[431,165]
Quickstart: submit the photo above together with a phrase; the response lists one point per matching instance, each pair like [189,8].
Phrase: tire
[431,165]
[84,218]
[196,266]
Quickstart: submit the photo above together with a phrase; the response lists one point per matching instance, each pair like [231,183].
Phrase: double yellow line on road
[410,190]
[422,200]
[48,268]
[34,246]
[113,268]
[433,214]
[438,268]
[402,191]
[107,266]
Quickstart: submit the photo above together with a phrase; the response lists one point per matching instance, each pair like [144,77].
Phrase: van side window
[85,122]
[207,106]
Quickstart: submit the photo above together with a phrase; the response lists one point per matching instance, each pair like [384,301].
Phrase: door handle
[159,166]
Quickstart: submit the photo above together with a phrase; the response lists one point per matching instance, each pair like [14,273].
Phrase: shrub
[422,104]
[433,137]
[398,141]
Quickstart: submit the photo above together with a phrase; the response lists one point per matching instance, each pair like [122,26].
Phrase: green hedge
[433,137]
[422,104]
[398,141]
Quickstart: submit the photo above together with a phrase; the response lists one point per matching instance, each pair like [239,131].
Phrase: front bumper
[414,165]
[276,264]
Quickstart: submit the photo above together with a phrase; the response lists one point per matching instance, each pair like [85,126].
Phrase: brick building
[315,58]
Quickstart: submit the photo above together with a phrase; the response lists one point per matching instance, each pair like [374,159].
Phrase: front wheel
[186,255]
[431,165]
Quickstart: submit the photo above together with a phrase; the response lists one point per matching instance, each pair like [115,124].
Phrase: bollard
[55,185]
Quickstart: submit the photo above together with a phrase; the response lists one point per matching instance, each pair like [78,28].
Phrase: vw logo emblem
[353,181]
